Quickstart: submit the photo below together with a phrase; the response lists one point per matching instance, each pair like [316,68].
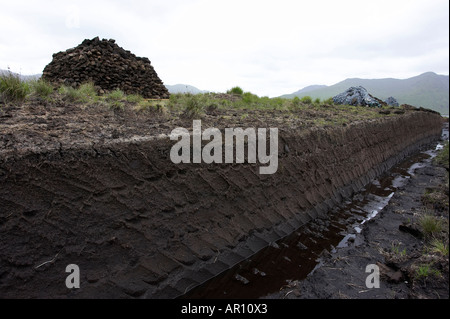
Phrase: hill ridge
[429,90]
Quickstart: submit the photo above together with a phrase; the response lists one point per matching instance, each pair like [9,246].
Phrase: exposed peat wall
[138,225]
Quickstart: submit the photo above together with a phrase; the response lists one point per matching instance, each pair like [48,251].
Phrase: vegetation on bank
[442,158]
[312,112]
[433,222]
[12,89]
[426,264]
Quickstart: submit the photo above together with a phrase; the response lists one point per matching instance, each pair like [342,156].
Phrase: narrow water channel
[297,255]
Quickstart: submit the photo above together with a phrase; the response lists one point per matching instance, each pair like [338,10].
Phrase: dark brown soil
[39,125]
[394,241]
[94,187]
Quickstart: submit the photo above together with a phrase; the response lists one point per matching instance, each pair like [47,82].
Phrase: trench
[299,254]
[140,226]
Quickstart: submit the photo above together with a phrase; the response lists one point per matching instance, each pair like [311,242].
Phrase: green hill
[428,90]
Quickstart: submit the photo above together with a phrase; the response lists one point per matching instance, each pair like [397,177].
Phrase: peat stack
[108,66]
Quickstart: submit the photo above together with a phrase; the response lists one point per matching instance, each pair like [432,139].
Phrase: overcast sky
[269,48]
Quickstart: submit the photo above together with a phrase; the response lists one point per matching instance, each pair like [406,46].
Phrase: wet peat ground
[342,274]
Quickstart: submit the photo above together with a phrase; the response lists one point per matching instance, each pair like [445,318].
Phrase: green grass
[152,106]
[442,157]
[145,106]
[322,114]
[249,98]
[439,247]
[194,107]
[236,90]
[88,91]
[190,106]
[13,89]
[42,89]
[306,100]
[134,98]
[116,95]
[296,101]
[85,94]
[116,105]
[431,225]
[71,94]
[115,100]
[436,198]
[329,101]
[395,248]
[424,271]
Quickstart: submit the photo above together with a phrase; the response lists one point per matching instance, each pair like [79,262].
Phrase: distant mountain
[307,89]
[184,88]
[22,77]
[429,90]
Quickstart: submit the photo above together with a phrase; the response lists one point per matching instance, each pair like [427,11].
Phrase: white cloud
[267,47]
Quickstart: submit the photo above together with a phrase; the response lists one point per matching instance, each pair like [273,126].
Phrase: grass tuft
[70,94]
[115,100]
[296,101]
[152,107]
[236,90]
[194,107]
[439,247]
[134,98]
[442,157]
[12,88]
[431,225]
[425,271]
[116,95]
[42,89]
[396,250]
[88,91]
[306,100]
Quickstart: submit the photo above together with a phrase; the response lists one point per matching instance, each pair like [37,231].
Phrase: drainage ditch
[299,254]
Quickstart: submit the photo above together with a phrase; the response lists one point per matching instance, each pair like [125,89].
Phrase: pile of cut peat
[109,66]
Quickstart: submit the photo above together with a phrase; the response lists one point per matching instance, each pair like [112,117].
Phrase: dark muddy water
[299,254]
